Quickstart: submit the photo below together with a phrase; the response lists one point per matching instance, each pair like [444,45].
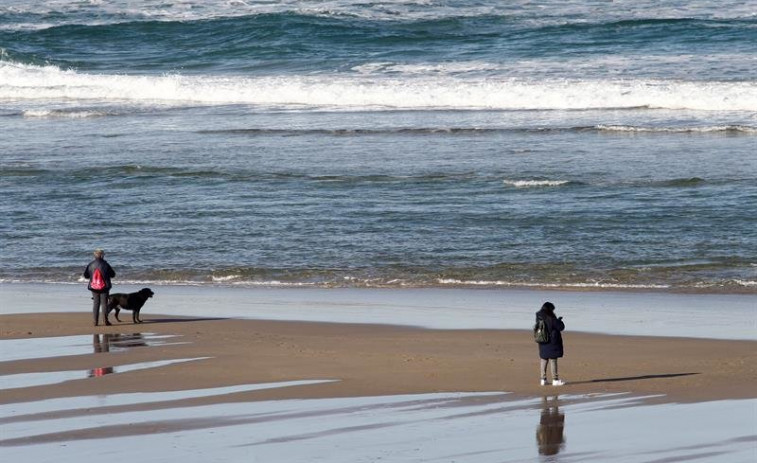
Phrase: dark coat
[106,270]
[552,349]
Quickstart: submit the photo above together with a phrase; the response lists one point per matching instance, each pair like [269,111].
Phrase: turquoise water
[345,143]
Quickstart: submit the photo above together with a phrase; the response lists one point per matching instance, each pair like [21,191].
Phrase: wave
[421,131]
[146,171]
[725,275]
[727,285]
[363,132]
[37,17]
[746,283]
[25,82]
[64,113]
[681,182]
[522,284]
[726,129]
[537,183]
[130,171]
[496,44]
[50,13]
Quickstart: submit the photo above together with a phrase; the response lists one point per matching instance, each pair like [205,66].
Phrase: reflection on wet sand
[549,433]
[440,427]
[100,345]
[54,347]
[103,344]
[62,346]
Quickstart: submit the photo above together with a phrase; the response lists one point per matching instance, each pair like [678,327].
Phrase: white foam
[231,280]
[535,183]
[275,284]
[222,279]
[54,113]
[704,129]
[520,284]
[50,83]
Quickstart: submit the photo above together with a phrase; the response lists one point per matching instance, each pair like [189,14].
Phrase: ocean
[474,143]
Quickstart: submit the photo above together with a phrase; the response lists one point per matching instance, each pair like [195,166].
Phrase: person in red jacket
[99,272]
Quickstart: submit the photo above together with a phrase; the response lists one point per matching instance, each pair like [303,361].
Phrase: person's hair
[548,307]
[99,253]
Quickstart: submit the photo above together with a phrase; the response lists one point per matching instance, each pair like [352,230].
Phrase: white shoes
[555,382]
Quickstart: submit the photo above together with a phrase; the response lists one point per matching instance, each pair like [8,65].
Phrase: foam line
[43,83]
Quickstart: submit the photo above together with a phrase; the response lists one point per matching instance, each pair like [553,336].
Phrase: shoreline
[371,360]
[704,316]
[615,342]
[739,290]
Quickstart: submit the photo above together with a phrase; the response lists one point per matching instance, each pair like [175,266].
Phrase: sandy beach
[369,360]
[178,376]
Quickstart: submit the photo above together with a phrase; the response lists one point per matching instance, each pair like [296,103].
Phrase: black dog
[131,301]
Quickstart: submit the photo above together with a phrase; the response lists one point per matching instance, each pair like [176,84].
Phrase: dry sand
[371,360]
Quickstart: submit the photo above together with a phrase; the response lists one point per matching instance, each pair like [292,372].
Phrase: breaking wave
[529,276]
[727,129]
[27,82]
[536,183]
[63,114]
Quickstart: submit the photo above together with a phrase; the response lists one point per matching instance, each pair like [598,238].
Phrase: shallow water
[24,380]
[473,427]
[63,346]
[718,316]
[60,346]
[26,410]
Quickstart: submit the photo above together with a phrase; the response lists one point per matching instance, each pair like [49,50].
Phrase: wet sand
[363,360]
[243,388]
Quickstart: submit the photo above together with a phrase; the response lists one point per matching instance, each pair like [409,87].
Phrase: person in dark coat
[550,351]
[99,295]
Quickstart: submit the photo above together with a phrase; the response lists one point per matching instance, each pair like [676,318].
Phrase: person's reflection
[100,345]
[549,434]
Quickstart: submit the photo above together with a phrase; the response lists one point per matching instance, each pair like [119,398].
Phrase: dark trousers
[99,300]
[543,368]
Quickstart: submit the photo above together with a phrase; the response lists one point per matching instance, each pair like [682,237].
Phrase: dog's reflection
[549,433]
[104,343]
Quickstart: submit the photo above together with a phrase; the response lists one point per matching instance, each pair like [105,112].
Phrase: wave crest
[728,129]
[63,113]
[339,92]
[536,183]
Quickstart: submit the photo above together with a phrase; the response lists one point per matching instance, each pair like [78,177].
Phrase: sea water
[399,143]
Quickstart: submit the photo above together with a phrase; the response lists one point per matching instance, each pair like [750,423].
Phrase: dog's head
[146,292]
